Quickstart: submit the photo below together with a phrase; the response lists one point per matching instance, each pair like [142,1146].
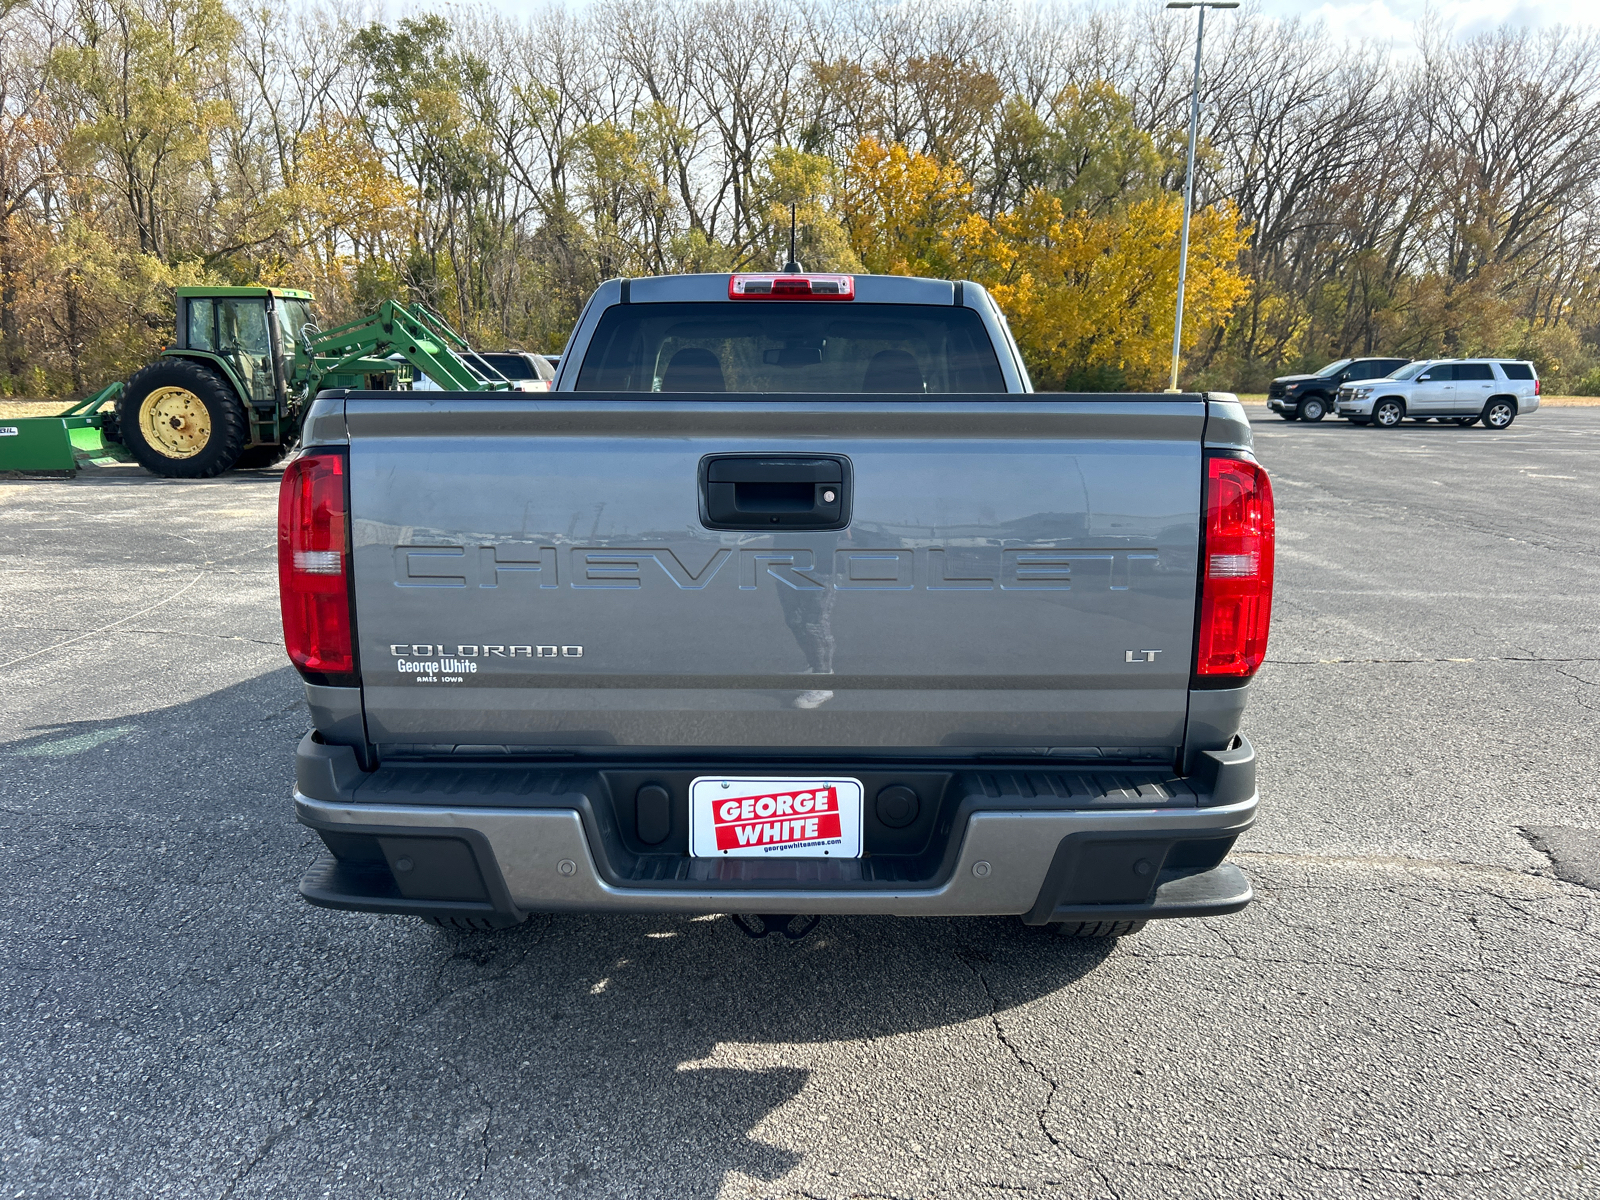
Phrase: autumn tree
[1090,290]
[144,92]
[904,211]
[1092,298]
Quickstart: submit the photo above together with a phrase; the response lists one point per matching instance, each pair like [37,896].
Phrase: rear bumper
[503,860]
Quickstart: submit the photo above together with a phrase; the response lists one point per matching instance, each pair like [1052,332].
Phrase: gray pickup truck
[791,597]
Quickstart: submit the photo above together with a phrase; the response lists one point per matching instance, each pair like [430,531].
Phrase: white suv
[1464,390]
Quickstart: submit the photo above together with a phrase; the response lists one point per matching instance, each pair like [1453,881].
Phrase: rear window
[512,366]
[1517,370]
[1473,371]
[779,346]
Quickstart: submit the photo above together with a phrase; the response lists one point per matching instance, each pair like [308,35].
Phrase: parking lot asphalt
[1410,1008]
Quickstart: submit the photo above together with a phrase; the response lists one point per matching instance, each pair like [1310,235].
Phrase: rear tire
[1313,409]
[1388,413]
[1499,413]
[1098,929]
[181,420]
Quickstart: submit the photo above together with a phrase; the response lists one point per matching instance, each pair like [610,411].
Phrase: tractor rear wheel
[181,420]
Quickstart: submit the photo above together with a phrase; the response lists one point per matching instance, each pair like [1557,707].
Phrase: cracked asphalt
[1410,1008]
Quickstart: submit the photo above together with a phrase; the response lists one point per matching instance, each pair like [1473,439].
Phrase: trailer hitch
[793,926]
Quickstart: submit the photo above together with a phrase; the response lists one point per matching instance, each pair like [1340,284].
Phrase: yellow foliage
[904,212]
[355,215]
[109,307]
[345,187]
[806,181]
[1096,295]
[1087,295]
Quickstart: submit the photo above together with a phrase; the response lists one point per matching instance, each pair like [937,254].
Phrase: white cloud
[1359,20]
[1396,20]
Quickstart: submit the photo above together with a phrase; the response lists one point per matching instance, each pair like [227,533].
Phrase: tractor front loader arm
[421,337]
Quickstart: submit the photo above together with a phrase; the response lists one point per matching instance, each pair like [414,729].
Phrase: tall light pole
[1188,180]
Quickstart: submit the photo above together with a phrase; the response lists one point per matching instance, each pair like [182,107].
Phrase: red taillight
[1236,576]
[791,287]
[1537,384]
[314,568]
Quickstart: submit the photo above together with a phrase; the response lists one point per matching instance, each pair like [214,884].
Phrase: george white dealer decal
[429,662]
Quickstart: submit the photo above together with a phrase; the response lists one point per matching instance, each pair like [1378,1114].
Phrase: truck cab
[882,334]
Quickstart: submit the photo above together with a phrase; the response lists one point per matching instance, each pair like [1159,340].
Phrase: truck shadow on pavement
[683,1034]
[167,978]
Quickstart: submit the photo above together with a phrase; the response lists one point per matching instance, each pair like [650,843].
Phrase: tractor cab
[266,338]
[252,334]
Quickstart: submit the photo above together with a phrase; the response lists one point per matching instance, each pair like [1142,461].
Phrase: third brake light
[776,286]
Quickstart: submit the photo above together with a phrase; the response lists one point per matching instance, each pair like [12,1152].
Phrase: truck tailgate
[1018,575]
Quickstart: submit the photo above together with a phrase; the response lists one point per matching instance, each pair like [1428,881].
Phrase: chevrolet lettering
[856,568]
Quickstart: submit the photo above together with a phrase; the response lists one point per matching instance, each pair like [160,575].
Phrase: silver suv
[1464,390]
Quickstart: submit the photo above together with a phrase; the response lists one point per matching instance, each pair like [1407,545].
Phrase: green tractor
[233,386]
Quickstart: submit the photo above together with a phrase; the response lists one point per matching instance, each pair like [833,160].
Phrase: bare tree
[1396,201]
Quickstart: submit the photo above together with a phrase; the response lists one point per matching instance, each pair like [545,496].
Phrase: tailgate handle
[774,491]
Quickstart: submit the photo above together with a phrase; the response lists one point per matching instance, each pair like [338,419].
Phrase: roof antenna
[791,267]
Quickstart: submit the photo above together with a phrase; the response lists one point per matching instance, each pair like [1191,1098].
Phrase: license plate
[733,816]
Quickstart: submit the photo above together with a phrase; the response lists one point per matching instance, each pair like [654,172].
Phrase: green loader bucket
[40,443]
[60,443]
